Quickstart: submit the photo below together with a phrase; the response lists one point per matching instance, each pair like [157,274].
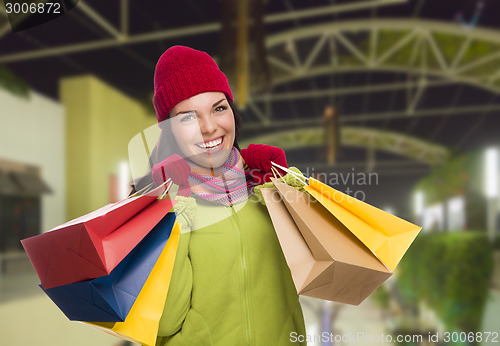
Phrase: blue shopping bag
[109,298]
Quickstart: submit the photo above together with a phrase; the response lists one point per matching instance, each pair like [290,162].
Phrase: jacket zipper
[248,331]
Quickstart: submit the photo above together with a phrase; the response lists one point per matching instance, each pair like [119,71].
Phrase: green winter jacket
[231,284]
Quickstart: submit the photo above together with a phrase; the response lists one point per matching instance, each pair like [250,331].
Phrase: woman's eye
[220,108]
[188,117]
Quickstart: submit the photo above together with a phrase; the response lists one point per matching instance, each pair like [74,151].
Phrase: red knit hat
[183,72]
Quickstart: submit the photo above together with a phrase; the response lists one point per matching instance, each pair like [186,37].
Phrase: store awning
[7,186]
[29,184]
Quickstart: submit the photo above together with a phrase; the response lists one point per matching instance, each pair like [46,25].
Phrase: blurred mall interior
[395,102]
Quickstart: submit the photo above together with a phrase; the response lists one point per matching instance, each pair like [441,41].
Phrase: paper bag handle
[166,189]
[275,171]
[301,178]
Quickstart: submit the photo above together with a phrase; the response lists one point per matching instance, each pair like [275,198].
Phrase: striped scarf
[226,184]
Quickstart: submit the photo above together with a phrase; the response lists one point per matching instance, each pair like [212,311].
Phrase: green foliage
[451,272]
[381,297]
[496,243]
[460,176]
[12,83]
[446,180]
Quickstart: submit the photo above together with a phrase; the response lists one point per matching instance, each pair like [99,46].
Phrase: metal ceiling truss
[419,48]
[396,143]
[380,52]
[434,112]
[121,36]
[393,168]
[416,47]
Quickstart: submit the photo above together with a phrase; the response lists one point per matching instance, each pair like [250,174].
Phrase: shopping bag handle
[138,193]
[166,189]
[147,187]
[300,177]
[275,171]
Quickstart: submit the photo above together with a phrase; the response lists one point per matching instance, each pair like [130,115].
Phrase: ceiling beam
[413,101]
[124,17]
[101,44]
[351,47]
[328,10]
[375,139]
[482,83]
[350,90]
[320,167]
[178,32]
[396,47]
[99,20]
[353,118]
[359,25]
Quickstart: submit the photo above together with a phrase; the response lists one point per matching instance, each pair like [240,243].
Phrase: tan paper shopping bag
[326,260]
[387,235]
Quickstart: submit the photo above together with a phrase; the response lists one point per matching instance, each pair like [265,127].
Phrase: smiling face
[204,128]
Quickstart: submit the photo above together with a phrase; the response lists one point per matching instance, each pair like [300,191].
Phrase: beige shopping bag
[326,259]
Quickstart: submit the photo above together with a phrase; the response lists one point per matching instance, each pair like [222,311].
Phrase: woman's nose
[207,124]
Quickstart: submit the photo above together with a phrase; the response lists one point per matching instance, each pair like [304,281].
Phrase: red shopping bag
[92,245]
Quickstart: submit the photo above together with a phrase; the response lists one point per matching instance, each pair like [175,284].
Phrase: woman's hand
[258,157]
[175,168]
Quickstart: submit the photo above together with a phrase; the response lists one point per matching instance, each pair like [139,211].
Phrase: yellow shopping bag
[386,235]
[141,324]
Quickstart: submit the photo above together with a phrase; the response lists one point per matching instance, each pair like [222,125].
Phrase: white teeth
[211,144]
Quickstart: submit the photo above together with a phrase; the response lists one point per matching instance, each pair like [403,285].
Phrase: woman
[230,284]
